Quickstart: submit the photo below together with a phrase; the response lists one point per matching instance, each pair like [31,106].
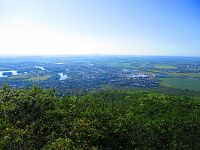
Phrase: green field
[31,78]
[165,67]
[176,74]
[194,75]
[21,76]
[192,84]
[39,78]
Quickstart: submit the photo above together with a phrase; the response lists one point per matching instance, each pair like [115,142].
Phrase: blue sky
[130,27]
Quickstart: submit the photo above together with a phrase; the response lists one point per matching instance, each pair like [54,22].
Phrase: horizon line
[63,55]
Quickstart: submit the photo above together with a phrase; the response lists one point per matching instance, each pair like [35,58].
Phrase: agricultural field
[165,67]
[40,78]
[182,83]
[92,73]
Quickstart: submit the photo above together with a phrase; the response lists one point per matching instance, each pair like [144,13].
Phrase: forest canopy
[35,118]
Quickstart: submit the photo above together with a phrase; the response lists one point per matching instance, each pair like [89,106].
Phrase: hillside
[37,119]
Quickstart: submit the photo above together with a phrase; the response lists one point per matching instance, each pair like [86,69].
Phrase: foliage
[37,119]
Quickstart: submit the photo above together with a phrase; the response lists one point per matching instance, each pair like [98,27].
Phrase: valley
[91,73]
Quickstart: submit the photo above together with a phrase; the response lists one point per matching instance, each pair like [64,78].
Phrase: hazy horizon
[93,55]
[107,27]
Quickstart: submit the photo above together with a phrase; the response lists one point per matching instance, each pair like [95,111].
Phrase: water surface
[62,76]
[14,73]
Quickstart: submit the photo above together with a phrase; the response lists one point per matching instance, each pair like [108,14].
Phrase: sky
[113,27]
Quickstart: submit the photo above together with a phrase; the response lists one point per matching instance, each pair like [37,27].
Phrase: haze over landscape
[138,27]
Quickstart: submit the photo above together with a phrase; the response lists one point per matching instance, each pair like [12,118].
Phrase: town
[85,74]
